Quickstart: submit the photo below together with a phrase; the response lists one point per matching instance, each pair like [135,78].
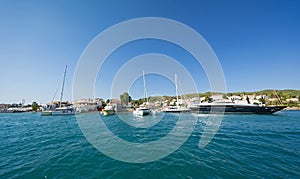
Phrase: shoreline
[292,109]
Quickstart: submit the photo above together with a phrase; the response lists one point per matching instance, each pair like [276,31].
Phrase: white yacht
[141,111]
[108,110]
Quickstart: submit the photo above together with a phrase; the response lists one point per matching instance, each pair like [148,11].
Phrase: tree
[262,100]
[208,98]
[135,103]
[34,106]
[125,98]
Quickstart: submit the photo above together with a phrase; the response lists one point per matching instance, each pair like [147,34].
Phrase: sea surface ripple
[247,146]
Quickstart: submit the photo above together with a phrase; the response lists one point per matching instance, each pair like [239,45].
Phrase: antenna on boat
[62,88]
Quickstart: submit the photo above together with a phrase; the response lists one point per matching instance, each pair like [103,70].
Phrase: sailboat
[61,110]
[143,110]
[177,108]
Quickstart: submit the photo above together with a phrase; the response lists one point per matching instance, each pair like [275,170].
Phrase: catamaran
[143,110]
[177,108]
[61,110]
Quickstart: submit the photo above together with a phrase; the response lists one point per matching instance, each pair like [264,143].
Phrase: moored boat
[141,111]
[46,113]
[64,111]
[108,110]
[176,109]
[61,110]
[232,108]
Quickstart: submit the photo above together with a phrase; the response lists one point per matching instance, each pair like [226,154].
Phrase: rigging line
[145,87]
[180,89]
[176,86]
[277,97]
[62,88]
[55,93]
[68,91]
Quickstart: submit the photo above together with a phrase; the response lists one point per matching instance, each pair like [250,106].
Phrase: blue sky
[257,43]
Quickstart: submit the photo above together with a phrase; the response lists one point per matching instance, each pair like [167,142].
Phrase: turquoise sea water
[248,146]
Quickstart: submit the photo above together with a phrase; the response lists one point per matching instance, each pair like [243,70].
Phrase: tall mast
[176,90]
[145,89]
[62,88]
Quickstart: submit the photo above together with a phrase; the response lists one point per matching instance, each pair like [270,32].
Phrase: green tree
[262,100]
[135,103]
[125,98]
[34,106]
[208,98]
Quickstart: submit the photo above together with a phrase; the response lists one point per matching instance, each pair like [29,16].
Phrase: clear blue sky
[257,43]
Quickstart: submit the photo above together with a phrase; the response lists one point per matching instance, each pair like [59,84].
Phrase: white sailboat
[143,110]
[61,110]
[177,108]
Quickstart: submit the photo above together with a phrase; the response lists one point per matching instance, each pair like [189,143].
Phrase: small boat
[141,111]
[108,110]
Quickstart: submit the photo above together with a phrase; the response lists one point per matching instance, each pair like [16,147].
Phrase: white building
[87,105]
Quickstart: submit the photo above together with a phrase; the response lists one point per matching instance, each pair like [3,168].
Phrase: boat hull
[141,112]
[63,113]
[235,109]
[107,112]
[46,113]
[177,111]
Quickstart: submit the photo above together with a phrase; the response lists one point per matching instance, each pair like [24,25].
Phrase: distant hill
[287,93]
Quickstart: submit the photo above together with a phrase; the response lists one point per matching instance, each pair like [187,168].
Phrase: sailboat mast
[145,89]
[176,90]
[62,88]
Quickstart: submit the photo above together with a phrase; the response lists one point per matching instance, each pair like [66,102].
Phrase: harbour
[149,89]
